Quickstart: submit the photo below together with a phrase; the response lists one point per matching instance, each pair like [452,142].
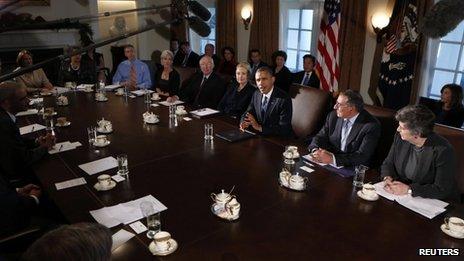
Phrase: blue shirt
[143,74]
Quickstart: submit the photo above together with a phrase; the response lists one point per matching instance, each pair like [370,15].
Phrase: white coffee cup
[162,240]
[88,88]
[104,180]
[297,182]
[233,207]
[120,91]
[68,85]
[284,177]
[101,139]
[100,96]
[369,190]
[455,225]
[155,95]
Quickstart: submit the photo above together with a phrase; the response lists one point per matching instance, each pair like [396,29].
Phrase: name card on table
[31,128]
[124,213]
[28,112]
[100,165]
[64,146]
[70,183]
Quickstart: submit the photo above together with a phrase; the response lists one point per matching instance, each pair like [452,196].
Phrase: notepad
[70,183]
[165,103]
[28,112]
[64,146]
[112,87]
[100,165]
[307,169]
[31,128]
[203,112]
[121,237]
[141,92]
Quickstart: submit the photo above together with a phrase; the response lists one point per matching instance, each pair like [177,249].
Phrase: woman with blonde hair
[167,79]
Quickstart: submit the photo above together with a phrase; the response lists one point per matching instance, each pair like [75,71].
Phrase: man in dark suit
[17,153]
[206,88]
[255,63]
[191,58]
[308,76]
[175,49]
[270,109]
[209,50]
[420,162]
[349,136]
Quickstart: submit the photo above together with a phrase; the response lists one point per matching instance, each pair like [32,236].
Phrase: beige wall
[243,36]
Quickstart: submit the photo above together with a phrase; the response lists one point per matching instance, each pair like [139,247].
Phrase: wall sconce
[246,16]
[379,22]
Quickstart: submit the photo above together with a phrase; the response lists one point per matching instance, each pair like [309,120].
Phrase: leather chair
[185,74]
[310,107]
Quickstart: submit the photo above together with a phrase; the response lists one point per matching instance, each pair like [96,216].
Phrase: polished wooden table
[172,162]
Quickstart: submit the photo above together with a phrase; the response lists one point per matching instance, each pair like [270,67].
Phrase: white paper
[35,100]
[28,112]
[112,87]
[31,128]
[64,146]
[187,119]
[165,103]
[138,227]
[60,90]
[84,86]
[124,213]
[141,92]
[70,183]
[380,189]
[132,96]
[118,178]
[100,165]
[154,105]
[308,157]
[204,112]
[121,237]
[307,169]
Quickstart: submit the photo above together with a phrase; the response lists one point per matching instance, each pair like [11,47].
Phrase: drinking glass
[172,111]
[49,124]
[153,219]
[147,97]
[92,134]
[209,131]
[360,172]
[123,165]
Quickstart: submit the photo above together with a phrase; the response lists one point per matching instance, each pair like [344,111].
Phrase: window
[447,61]
[197,42]
[299,30]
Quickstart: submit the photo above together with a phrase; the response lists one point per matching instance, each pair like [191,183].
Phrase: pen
[61,146]
[32,128]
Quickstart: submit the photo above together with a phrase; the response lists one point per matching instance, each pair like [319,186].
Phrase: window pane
[440,78]
[447,56]
[293,18]
[292,39]
[456,34]
[461,67]
[212,35]
[307,19]
[459,79]
[291,59]
[300,60]
[305,40]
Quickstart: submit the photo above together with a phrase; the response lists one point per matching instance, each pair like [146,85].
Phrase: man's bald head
[206,65]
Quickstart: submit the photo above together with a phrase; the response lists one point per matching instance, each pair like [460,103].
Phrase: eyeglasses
[337,104]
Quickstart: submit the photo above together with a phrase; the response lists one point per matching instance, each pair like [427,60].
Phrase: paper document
[154,105]
[28,112]
[112,87]
[60,90]
[204,112]
[70,183]
[64,146]
[84,86]
[309,158]
[121,237]
[165,103]
[124,213]
[99,165]
[35,100]
[31,128]
[307,169]
[141,92]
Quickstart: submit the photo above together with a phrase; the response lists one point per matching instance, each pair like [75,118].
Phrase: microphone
[442,18]
[199,26]
[199,10]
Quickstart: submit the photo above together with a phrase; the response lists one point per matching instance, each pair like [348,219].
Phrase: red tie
[133,75]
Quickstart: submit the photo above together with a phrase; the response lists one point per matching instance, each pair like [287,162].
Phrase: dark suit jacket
[211,93]
[278,117]
[360,144]
[15,209]
[313,79]
[283,79]
[192,60]
[178,58]
[16,153]
[436,169]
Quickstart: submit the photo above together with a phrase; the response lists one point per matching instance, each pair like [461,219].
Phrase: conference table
[172,161]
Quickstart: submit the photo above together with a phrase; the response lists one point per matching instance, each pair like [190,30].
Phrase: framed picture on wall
[24,3]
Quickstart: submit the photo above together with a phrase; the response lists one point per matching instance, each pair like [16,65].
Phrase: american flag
[327,47]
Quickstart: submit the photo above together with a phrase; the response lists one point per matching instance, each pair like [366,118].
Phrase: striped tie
[133,75]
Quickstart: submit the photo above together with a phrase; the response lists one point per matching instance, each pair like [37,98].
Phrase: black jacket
[313,79]
[210,94]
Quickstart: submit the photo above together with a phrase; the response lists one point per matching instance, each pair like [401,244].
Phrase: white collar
[353,119]
[13,118]
[268,95]
[207,76]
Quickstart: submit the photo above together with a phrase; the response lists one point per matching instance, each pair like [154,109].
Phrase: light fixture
[379,21]
[246,16]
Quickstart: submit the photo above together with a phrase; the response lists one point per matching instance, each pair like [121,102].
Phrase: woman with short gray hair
[420,162]
[167,79]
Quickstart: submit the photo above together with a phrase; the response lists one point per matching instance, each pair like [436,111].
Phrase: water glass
[209,131]
[172,111]
[147,97]
[153,219]
[360,172]
[92,134]
[123,165]
[49,124]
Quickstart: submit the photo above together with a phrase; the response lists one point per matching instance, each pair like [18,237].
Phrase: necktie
[264,107]
[184,63]
[199,90]
[305,79]
[133,75]
[345,128]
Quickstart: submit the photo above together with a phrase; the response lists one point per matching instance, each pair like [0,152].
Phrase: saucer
[62,104]
[102,145]
[451,233]
[180,113]
[295,155]
[218,210]
[100,188]
[365,197]
[151,122]
[46,93]
[102,130]
[154,99]
[155,251]
[66,124]
[102,100]
[87,90]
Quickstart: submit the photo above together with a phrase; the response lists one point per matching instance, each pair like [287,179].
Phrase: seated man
[270,109]
[349,136]
[35,80]
[255,63]
[420,162]
[82,241]
[191,58]
[209,50]
[307,77]
[17,205]
[206,88]
[17,153]
[132,72]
